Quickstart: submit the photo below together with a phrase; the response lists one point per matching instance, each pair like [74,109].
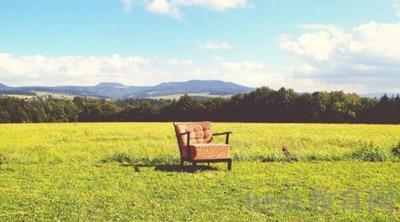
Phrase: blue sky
[303,44]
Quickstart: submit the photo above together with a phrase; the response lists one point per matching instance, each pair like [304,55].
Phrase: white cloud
[163,7]
[38,69]
[129,70]
[396,4]
[217,46]
[173,7]
[319,45]
[219,5]
[376,41]
[135,70]
[256,74]
[127,4]
[365,59]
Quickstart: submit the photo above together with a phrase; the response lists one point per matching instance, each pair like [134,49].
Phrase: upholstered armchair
[195,141]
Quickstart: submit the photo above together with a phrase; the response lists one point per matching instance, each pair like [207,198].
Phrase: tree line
[262,105]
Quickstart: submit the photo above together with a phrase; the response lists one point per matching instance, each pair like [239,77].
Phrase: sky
[306,45]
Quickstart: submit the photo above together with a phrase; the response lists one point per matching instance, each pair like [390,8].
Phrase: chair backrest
[200,132]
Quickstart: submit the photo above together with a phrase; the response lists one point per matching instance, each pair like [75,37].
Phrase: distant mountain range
[197,88]
[167,90]
[379,94]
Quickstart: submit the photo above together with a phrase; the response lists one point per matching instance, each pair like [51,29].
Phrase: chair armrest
[181,134]
[187,137]
[220,134]
[187,141]
[224,133]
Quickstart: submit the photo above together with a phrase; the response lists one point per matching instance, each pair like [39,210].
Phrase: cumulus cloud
[127,4]
[219,5]
[396,4]
[39,69]
[247,72]
[163,7]
[130,70]
[135,70]
[366,59]
[217,46]
[173,7]
[260,74]
[317,45]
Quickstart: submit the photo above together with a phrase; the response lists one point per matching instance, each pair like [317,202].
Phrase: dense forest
[261,105]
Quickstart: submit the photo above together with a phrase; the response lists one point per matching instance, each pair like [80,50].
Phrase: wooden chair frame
[208,161]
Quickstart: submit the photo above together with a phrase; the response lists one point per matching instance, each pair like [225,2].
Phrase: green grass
[118,172]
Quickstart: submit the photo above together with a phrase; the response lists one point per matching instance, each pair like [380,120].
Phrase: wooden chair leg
[208,164]
[229,165]
[194,164]
[181,163]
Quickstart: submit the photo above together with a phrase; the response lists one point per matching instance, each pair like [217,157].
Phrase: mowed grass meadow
[128,172]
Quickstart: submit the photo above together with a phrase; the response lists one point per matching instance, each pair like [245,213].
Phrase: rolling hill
[198,88]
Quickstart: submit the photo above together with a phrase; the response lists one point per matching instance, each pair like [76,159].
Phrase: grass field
[127,172]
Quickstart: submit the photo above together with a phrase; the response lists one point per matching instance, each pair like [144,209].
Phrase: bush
[270,158]
[314,158]
[371,154]
[122,158]
[396,150]
[274,158]
[2,158]
[128,160]
[292,158]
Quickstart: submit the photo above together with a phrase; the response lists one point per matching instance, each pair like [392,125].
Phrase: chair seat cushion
[209,151]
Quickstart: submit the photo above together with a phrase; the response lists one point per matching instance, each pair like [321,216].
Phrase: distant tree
[261,105]
[4,117]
